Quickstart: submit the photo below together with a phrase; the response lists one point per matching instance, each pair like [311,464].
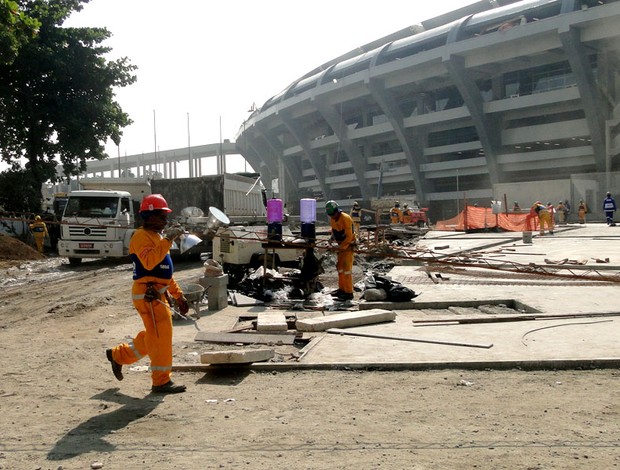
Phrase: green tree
[17,191]
[15,30]
[56,98]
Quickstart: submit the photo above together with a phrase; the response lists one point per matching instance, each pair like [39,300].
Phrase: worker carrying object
[153,279]
[395,213]
[342,232]
[356,217]
[39,231]
[544,217]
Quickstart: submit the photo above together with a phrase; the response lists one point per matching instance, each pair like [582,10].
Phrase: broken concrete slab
[246,338]
[271,321]
[237,356]
[344,320]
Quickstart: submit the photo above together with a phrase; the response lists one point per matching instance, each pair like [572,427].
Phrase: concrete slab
[344,320]
[540,340]
[271,321]
[247,338]
[237,356]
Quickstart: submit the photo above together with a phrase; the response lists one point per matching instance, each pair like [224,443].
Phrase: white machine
[241,247]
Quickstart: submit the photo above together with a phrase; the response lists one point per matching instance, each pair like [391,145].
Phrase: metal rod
[414,340]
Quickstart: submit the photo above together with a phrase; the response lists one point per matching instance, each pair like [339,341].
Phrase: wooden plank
[246,338]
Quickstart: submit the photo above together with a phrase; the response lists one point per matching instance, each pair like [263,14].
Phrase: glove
[172,233]
[183,305]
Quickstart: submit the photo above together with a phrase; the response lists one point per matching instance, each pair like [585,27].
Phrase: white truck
[96,224]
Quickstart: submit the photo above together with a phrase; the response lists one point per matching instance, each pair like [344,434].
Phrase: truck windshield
[99,206]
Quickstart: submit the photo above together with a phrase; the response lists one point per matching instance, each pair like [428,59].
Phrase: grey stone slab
[271,321]
[344,320]
[237,356]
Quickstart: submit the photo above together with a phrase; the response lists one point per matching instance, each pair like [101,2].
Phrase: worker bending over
[544,217]
[152,283]
[342,232]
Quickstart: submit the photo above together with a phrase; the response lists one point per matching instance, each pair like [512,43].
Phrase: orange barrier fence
[475,218]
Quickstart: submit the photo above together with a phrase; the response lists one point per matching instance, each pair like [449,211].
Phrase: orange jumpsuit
[342,231]
[150,254]
[395,215]
[356,217]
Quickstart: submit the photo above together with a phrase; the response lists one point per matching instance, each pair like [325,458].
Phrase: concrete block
[344,320]
[217,281]
[271,321]
[237,356]
[217,293]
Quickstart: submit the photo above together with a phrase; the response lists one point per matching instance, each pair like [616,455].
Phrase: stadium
[497,101]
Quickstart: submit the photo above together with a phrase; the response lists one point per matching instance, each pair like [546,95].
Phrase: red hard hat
[154,202]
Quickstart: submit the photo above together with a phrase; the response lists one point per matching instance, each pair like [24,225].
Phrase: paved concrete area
[554,275]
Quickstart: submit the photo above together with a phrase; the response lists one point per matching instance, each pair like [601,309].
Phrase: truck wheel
[75,261]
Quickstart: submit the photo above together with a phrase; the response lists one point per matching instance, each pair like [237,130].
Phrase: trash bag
[400,293]
[375,285]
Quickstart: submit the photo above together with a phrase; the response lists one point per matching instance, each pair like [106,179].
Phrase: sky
[202,64]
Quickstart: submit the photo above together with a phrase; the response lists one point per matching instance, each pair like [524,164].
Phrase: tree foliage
[16,28]
[57,99]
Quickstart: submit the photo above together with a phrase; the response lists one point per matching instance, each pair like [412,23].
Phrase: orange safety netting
[473,218]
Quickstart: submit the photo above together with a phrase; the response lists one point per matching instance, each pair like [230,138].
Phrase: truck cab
[96,224]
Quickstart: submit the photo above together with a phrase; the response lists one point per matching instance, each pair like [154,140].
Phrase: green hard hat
[331,207]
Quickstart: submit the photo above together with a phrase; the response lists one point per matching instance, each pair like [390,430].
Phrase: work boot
[336,293]
[117,369]
[345,296]
[168,387]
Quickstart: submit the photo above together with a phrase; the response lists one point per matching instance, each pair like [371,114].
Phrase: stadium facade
[499,95]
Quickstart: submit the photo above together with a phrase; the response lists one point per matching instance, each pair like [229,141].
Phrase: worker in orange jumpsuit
[356,217]
[395,213]
[153,282]
[406,217]
[342,232]
[39,231]
[544,217]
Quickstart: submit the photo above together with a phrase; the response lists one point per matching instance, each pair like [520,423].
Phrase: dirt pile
[15,250]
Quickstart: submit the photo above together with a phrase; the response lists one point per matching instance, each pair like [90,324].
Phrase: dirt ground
[60,406]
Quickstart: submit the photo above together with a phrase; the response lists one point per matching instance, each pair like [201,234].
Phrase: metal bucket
[527,237]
